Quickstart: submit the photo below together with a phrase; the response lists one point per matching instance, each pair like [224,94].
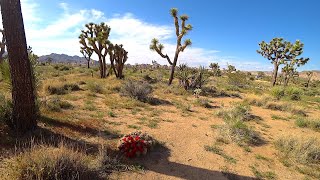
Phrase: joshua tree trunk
[308,82]
[101,67]
[24,114]
[88,65]
[173,67]
[275,74]
[286,80]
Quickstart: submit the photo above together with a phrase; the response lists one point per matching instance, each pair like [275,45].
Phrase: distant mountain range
[62,58]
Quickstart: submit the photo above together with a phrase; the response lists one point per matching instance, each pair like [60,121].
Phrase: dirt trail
[186,157]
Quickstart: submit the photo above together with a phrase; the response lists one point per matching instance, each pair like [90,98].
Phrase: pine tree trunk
[275,74]
[24,114]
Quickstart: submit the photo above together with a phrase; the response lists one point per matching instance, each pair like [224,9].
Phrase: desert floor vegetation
[245,135]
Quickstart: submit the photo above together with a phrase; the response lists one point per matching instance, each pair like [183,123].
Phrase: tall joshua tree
[2,45]
[180,33]
[280,52]
[24,113]
[87,53]
[118,56]
[95,39]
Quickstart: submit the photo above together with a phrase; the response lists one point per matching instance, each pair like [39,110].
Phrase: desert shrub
[56,104]
[235,128]
[137,90]
[307,123]
[276,106]
[150,79]
[203,102]
[236,112]
[302,152]
[237,80]
[294,93]
[238,132]
[277,92]
[5,109]
[256,101]
[95,88]
[46,162]
[62,89]
[61,67]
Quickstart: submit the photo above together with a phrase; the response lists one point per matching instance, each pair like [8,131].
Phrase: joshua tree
[215,68]
[309,74]
[118,56]
[180,33]
[95,39]
[280,52]
[2,45]
[231,68]
[24,113]
[87,53]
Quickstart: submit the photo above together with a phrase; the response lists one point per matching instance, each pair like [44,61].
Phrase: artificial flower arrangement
[136,144]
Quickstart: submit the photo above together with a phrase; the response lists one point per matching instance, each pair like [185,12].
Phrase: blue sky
[225,31]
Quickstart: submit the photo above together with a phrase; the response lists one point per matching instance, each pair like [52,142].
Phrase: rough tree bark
[275,74]
[24,114]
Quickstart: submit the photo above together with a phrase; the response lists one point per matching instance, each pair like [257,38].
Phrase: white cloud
[61,36]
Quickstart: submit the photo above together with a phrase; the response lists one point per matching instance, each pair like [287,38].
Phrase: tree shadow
[80,129]
[158,161]
[156,101]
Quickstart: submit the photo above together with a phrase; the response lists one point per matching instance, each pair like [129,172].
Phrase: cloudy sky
[224,31]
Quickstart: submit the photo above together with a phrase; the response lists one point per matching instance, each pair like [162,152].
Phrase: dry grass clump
[47,162]
[235,128]
[264,102]
[95,88]
[303,153]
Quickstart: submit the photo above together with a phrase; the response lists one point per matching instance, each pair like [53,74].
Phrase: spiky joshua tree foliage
[95,39]
[279,51]
[118,57]
[181,30]
[215,69]
[87,53]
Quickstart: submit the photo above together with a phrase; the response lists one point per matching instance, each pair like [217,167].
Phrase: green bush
[278,92]
[294,93]
[306,123]
[237,80]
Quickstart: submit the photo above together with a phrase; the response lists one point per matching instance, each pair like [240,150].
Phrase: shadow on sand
[158,161]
